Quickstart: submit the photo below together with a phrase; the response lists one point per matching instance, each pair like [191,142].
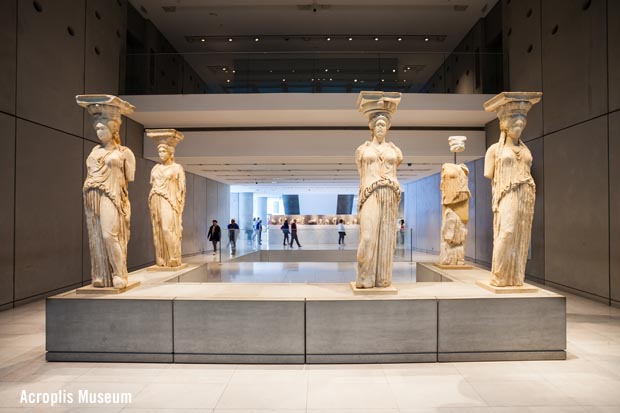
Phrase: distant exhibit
[110,167]
[507,163]
[455,208]
[167,199]
[379,193]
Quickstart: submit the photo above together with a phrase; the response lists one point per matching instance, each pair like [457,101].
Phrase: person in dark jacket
[294,233]
[233,229]
[285,232]
[214,235]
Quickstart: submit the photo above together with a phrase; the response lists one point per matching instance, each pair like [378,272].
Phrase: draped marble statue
[507,163]
[379,193]
[110,167]
[167,199]
[455,208]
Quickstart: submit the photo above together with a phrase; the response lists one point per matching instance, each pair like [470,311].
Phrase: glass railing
[311,72]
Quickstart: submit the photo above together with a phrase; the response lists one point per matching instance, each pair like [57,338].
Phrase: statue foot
[119,282]
[174,263]
[98,283]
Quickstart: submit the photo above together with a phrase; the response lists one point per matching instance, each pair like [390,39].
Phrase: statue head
[511,109]
[107,111]
[107,130]
[165,152]
[379,124]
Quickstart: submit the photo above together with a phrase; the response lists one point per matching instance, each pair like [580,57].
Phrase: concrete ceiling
[275,143]
[284,39]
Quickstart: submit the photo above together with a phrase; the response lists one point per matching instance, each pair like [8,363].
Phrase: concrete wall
[46,137]
[571,52]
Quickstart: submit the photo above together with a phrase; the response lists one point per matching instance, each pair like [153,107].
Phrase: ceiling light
[330,79]
[376,39]
[284,80]
[233,71]
[256,39]
[313,79]
[227,80]
[230,39]
[426,39]
[224,69]
[327,70]
[383,80]
[270,71]
[393,70]
[355,80]
[203,40]
[400,39]
[329,39]
[350,38]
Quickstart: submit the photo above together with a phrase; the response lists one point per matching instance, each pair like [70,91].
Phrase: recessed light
[404,80]
[393,70]
[256,39]
[224,69]
[203,40]
[313,79]
[376,39]
[234,71]
[284,80]
[230,39]
[330,79]
[270,71]
[350,38]
[327,70]
[329,39]
[383,80]
[426,39]
[400,39]
[227,80]
[355,80]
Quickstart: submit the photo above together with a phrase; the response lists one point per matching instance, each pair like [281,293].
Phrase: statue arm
[489,161]
[182,188]
[399,155]
[358,158]
[130,163]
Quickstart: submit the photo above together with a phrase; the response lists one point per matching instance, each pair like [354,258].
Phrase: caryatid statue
[109,167]
[455,208]
[507,163]
[379,193]
[167,199]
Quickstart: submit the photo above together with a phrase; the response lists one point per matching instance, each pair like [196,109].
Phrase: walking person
[214,235]
[259,231]
[285,232]
[233,229]
[401,232]
[294,233]
[341,232]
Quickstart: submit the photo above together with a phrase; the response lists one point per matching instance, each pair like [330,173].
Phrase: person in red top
[294,233]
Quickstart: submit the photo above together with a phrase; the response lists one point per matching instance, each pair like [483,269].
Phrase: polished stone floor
[589,381]
[285,272]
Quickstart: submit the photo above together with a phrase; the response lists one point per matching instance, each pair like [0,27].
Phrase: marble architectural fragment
[508,163]
[110,167]
[379,194]
[167,199]
[455,213]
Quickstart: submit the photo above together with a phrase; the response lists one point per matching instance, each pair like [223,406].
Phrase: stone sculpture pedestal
[391,290]
[158,268]
[89,289]
[525,288]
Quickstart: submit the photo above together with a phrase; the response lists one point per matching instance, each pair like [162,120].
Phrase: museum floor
[588,381]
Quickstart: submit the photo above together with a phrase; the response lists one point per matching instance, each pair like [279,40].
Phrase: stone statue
[110,167]
[379,193]
[455,213]
[455,208]
[507,163]
[167,199]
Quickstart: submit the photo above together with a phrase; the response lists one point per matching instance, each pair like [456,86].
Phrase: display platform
[232,322]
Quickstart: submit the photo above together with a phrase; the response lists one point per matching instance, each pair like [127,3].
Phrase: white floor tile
[263,396]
